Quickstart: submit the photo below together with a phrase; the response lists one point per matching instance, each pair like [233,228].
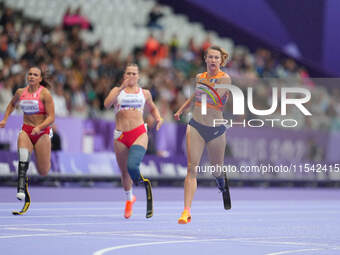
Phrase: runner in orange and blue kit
[201,131]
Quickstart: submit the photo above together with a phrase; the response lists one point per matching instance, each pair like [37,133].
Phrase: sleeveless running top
[130,101]
[206,86]
[31,103]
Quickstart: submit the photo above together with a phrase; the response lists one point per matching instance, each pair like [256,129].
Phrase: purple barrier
[243,144]
[274,145]
[9,163]
[104,164]
[71,131]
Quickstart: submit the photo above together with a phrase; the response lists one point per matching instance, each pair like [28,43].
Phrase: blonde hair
[224,53]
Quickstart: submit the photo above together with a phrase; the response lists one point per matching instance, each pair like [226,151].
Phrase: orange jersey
[205,85]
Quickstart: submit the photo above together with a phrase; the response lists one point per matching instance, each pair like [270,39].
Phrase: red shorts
[129,137]
[34,138]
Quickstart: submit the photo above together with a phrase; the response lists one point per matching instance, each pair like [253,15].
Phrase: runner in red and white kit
[37,105]
[130,136]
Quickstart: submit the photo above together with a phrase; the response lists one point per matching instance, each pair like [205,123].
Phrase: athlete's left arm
[225,79]
[153,109]
[49,108]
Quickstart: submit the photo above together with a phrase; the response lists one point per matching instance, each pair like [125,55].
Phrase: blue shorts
[206,132]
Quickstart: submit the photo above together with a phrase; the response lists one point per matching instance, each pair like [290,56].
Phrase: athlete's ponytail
[46,77]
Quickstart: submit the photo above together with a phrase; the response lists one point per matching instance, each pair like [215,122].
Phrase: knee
[218,171]
[43,171]
[192,170]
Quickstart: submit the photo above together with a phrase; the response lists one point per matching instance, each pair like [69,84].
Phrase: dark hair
[224,53]
[45,75]
[121,75]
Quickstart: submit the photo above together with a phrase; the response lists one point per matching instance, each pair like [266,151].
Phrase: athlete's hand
[2,123]
[130,80]
[36,131]
[159,123]
[177,115]
[125,83]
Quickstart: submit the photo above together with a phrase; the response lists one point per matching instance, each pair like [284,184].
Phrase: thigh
[122,153]
[195,147]
[24,141]
[42,150]
[216,150]
[142,140]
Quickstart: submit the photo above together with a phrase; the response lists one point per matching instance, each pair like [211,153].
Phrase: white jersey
[130,101]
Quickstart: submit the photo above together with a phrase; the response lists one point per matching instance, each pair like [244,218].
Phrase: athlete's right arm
[10,107]
[112,97]
[186,104]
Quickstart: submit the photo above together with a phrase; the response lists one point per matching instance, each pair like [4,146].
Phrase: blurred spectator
[151,49]
[76,19]
[59,99]
[206,43]
[83,73]
[149,120]
[154,16]
[56,139]
[5,94]
[314,152]
[173,46]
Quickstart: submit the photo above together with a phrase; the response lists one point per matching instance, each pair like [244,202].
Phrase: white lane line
[135,233]
[320,245]
[85,223]
[36,229]
[99,215]
[129,233]
[113,248]
[163,236]
[110,233]
[58,224]
[293,251]
[40,235]
[160,214]
[118,207]
[105,250]
[235,212]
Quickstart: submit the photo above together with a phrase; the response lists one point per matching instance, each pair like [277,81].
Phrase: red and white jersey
[130,101]
[30,103]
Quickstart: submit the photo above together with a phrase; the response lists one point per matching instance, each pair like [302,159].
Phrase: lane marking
[36,229]
[113,248]
[293,251]
[40,235]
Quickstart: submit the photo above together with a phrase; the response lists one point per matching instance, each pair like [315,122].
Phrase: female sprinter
[37,104]
[130,136]
[201,131]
